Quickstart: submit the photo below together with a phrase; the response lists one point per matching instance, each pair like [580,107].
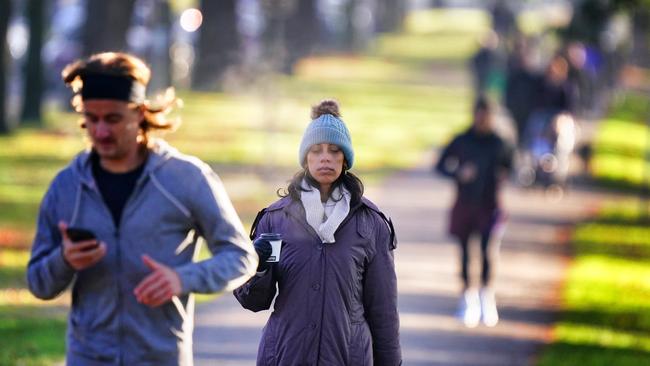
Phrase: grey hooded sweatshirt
[176,200]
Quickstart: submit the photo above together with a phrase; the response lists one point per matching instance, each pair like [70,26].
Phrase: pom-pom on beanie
[327,127]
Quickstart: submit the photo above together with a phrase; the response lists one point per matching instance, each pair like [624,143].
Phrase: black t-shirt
[115,187]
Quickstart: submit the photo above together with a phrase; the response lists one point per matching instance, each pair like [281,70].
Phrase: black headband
[112,87]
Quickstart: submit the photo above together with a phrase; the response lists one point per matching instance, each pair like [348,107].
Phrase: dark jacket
[336,303]
[489,153]
[521,96]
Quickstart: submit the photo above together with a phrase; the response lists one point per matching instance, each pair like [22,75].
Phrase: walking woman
[478,160]
[336,286]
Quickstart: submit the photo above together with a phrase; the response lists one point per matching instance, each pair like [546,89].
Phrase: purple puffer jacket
[337,302]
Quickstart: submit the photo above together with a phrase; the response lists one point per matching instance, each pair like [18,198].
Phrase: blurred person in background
[504,21]
[550,132]
[336,291]
[485,64]
[143,205]
[521,87]
[478,160]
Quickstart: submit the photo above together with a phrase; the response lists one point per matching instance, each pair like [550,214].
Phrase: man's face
[113,128]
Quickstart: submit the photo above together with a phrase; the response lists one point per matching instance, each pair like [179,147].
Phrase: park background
[248,71]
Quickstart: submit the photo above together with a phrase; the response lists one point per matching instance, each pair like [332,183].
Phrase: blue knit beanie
[327,128]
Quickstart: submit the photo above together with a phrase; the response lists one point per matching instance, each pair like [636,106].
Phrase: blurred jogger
[477,160]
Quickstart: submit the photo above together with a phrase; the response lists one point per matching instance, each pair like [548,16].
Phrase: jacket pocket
[268,347]
[360,349]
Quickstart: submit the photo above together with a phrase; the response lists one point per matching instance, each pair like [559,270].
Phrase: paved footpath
[532,264]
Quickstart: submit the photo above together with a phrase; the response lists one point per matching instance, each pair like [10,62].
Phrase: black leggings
[486,273]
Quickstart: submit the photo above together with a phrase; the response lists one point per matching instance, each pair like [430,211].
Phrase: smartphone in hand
[77,234]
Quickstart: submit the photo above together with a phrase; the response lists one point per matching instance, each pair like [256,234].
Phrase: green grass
[30,337]
[621,144]
[406,95]
[606,312]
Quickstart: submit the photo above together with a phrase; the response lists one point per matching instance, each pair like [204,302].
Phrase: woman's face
[325,163]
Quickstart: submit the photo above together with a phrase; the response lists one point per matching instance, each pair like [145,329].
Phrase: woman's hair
[350,181]
[123,65]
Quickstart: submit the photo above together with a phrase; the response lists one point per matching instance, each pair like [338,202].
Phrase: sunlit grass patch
[621,143]
[606,312]
[613,238]
[438,35]
[447,20]
[356,67]
[620,168]
[616,287]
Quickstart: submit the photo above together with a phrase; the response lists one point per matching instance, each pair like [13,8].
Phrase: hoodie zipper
[116,230]
[118,237]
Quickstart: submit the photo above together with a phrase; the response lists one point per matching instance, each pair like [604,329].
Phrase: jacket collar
[296,210]
[159,152]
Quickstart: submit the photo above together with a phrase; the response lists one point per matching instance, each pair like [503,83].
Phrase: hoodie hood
[159,153]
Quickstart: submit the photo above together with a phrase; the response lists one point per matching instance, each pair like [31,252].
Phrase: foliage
[606,313]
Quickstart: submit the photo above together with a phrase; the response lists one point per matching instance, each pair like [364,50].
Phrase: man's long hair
[128,66]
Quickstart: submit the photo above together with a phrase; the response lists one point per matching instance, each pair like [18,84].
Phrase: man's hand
[82,254]
[159,286]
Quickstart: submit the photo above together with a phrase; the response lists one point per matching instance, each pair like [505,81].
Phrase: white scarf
[315,210]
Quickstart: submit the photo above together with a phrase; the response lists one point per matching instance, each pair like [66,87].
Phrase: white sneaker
[469,309]
[489,313]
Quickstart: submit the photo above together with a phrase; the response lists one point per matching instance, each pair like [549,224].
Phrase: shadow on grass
[628,320]
[618,250]
[621,185]
[571,354]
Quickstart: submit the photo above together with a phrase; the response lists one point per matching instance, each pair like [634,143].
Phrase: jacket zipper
[118,229]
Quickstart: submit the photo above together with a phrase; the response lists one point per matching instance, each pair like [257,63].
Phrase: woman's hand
[263,249]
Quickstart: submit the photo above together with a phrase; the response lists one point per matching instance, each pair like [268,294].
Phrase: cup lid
[271,236]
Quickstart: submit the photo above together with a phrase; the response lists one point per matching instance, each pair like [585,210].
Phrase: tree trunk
[33,75]
[219,44]
[158,56]
[302,32]
[273,38]
[390,15]
[359,26]
[5,11]
[107,23]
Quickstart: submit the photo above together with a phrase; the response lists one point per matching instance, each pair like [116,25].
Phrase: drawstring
[77,204]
